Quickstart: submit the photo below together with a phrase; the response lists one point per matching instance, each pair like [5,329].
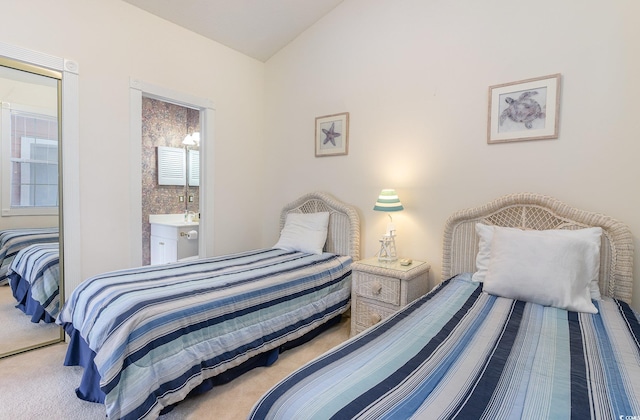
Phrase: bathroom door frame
[137,90]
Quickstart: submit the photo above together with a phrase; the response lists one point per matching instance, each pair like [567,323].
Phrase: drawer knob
[376,287]
[375,318]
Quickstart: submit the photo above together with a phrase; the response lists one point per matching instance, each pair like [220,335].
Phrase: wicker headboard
[539,212]
[343,236]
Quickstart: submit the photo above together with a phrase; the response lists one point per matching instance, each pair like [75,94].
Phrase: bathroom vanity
[173,238]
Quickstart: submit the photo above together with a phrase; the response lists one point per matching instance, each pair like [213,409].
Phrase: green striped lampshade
[388,201]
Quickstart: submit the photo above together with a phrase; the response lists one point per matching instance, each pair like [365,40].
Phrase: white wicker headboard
[343,236]
[539,212]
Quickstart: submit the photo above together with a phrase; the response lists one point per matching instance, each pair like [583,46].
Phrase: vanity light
[388,201]
[189,141]
[192,139]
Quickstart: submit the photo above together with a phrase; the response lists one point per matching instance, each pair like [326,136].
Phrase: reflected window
[29,135]
[34,160]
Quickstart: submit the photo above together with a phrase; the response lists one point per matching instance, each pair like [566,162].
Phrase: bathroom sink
[176,220]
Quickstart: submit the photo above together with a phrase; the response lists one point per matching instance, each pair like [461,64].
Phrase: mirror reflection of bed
[30,276]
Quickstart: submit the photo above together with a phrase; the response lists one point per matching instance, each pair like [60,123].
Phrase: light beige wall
[412,74]
[112,42]
[414,77]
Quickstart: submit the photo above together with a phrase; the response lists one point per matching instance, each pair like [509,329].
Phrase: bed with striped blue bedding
[460,353]
[34,276]
[13,240]
[155,333]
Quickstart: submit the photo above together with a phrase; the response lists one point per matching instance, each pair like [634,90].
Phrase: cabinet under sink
[172,239]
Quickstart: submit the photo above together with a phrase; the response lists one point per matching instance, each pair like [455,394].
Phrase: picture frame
[524,110]
[332,135]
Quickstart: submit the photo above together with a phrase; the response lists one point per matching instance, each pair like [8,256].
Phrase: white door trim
[138,89]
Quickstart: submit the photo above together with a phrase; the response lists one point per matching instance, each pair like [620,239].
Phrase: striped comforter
[159,331]
[37,268]
[13,240]
[461,353]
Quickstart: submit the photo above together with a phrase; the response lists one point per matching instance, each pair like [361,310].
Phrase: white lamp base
[388,248]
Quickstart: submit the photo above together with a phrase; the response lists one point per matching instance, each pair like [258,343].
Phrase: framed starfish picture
[332,135]
[524,110]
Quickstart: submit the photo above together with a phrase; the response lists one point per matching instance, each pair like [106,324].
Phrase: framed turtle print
[524,110]
[332,135]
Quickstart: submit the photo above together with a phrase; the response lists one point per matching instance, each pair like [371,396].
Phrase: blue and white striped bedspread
[158,331]
[39,265]
[13,240]
[461,353]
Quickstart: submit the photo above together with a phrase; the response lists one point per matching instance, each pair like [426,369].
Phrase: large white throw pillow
[304,232]
[485,238]
[544,268]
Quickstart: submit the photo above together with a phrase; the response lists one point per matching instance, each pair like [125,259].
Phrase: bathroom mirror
[31,274]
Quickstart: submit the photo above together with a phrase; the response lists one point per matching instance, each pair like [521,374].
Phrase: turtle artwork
[525,109]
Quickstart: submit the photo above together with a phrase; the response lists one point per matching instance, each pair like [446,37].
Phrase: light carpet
[17,331]
[35,385]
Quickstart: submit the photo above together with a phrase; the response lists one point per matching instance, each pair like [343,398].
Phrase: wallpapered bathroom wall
[163,124]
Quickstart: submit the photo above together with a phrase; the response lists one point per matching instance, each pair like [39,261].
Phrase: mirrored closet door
[31,280]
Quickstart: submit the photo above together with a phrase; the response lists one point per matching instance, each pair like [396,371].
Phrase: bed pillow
[304,232]
[544,268]
[485,236]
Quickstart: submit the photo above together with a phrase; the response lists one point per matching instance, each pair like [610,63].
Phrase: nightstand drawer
[368,314]
[383,289]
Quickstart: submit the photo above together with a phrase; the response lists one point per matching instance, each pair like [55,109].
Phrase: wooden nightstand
[379,289]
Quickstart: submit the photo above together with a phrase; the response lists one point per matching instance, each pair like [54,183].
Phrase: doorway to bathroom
[170,181]
[172,140]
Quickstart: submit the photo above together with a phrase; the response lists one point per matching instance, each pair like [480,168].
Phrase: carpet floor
[17,331]
[35,385]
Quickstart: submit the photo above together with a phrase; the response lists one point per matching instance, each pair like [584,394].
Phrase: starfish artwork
[331,135]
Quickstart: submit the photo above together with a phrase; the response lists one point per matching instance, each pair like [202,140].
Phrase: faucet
[189,216]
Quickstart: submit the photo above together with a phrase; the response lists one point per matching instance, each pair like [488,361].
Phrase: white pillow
[304,232]
[485,235]
[544,268]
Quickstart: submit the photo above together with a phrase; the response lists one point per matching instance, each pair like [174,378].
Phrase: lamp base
[388,249]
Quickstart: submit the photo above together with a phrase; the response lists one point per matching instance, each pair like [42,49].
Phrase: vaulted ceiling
[257,28]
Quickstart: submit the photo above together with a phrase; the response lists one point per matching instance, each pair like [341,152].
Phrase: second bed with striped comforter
[461,353]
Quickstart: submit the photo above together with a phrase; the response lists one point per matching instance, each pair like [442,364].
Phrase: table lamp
[388,202]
